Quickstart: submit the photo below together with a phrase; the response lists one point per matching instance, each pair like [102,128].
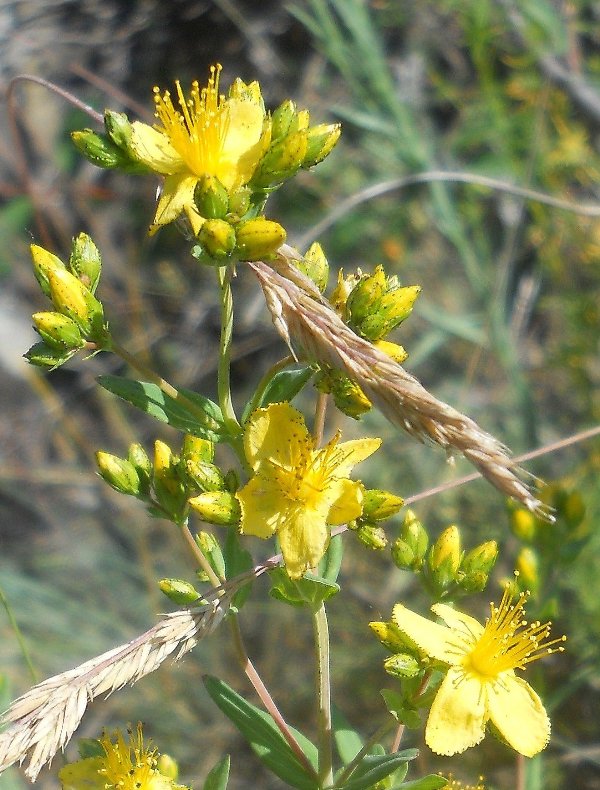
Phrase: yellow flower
[481,683]
[124,766]
[206,134]
[298,490]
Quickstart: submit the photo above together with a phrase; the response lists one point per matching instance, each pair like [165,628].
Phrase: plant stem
[199,556]
[224,371]
[17,632]
[320,412]
[265,697]
[321,631]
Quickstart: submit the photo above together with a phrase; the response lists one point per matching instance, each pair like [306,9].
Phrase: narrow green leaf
[264,736]
[403,713]
[374,768]
[308,591]
[206,421]
[284,386]
[431,782]
[218,776]
[347,741]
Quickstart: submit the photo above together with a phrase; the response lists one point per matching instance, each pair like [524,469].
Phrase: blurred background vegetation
[507,329]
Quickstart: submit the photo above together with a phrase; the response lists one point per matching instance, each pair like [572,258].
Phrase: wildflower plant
[218,157]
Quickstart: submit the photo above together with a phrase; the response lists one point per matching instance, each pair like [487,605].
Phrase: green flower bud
[217,507]
[210,548]
[167,767]
[402,665]
[281,161]
[413,533]
[528,568]
[341,292]
[232,480]
[85,261]
[480,559]
[118,128]
[301,121]
[347,395]
[138,457]
[211,198]
[239,202]
[58,331]
[119,473]
[389,635]
[258,238]
[217,238]
[168,486]
[179,591]
[445,556]
[44,262]
[42,356]
[372,536]
[523,524]
[379,505]
[320,142]
[100,149]
[68,295]
[393,308]
[282,119]
[365,295]
[393,350]
[204,475]
[196,449]
[315,266]
[404,557]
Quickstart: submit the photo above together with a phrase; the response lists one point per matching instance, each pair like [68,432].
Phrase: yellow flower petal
[242,145]
[353,452]
[347,504]
[277,434]
[303,539]
[518,713]
[154,149]
[460,621]
[458,714]
[433,639]
[177,194]
[83,775]
[263,511]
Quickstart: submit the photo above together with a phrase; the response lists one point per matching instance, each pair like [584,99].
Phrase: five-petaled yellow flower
[298,490]
[481,684]
[125,765]
[205,134]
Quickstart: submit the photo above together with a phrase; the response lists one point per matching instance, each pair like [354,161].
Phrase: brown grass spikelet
[314,332]
[43,720]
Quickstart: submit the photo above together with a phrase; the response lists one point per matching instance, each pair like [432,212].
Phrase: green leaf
[237,560]
[347,741]
[431,782]
[374,768]
[330,565]
[264,736]
[218,776]
[403,713]
[206,421]
[309,591]
[284,386]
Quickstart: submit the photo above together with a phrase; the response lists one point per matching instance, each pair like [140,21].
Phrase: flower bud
[282,119]
[69,298]
[119,473]
[574,509]
[179,591]
[404,557]
[393,308]
[281,161]
[211,198]
[393,350]
[42,356]
[217,238]
[232,480]
[195,448]
[321,140]
[44,262]
[118,128]
[341,292]
[258,238]
[476,566]
[371,536]
[445,556]
[365,295]
[58,331]
[413,533]
[210,548]
[523,524]
[390,636]
[168,486]
[167,767]
[85,261]
[315,266]
[100,149]
[204,475]
[379,505]
[347,395]
[528,568]
[402,665]
[239,202]
[138,457]
[217,507]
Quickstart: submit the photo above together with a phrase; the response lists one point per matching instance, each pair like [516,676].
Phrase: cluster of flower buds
[558,543]
[172,483]
[112,149]
[372,305]
[444,567]
[405,661]
[377,506]
[78,317]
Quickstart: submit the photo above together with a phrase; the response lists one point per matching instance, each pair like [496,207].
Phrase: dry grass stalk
[314,331]
[43,720]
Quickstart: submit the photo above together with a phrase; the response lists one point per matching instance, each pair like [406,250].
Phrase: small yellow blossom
[206,134]
[124,766]
[298,490]
[480,684]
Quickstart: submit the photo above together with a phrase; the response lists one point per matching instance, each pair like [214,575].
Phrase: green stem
[321,631]
[224,371]
[199,556]
[17,632]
